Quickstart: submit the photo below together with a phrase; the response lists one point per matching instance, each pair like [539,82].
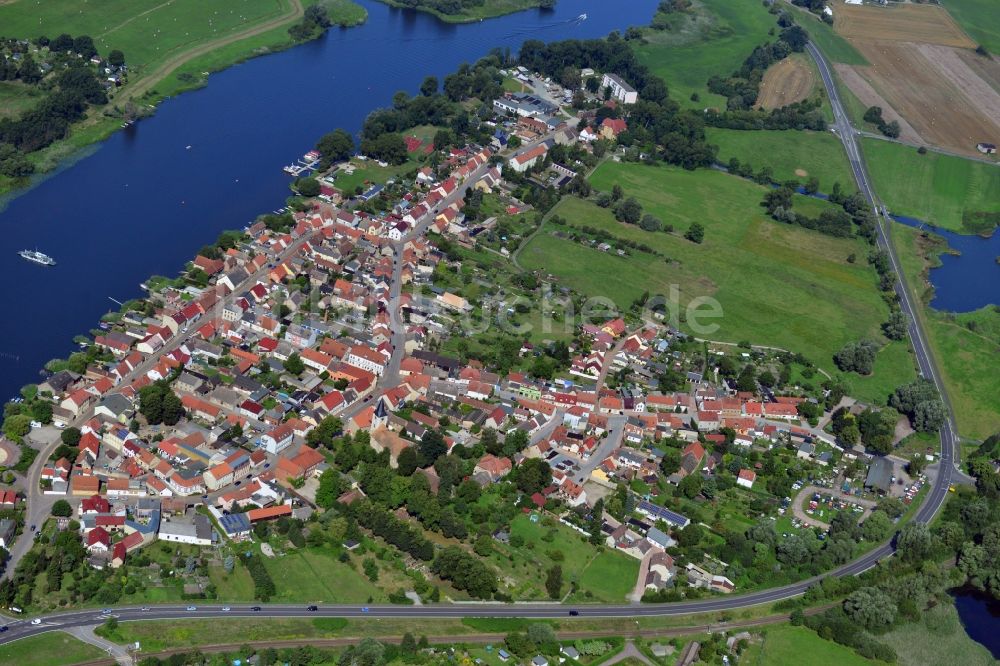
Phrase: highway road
[931,505]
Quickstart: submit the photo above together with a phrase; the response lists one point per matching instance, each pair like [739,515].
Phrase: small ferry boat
[37,257]
[581,17]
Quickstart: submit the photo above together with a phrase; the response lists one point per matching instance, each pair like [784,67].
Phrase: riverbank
[489,9]
[188,68]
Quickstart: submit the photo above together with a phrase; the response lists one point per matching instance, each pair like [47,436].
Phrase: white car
[37,620]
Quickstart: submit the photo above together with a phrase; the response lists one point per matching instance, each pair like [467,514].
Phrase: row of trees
[263,584]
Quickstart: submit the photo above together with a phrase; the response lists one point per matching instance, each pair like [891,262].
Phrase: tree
[553,582]
[690,486]
[116,58]
[70,436]
[695,233]
[307,187]
[62,509]
[533,475]
[465,571]
[857,357]
[17,426]
[173,408]
[870,607]
[294,365]
[876,527]
[407,461]
[515,440]
[408,646]
[690,535]
[483,546]
[896,327]
[429,87]
[335,146]
[432,446]
[920,401]
[628,211]
[328,490]
[650,223]
[84,45]
[914,542]
[747,379]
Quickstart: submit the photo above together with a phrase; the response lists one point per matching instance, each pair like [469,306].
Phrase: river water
[144,202]
[968,280]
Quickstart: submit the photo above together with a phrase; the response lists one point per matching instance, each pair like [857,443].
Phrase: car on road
[574,613]
[312,608]
[107,611]
[226,609]
[144,608]
[34,528]
[364,609]
[4,628]
[36,621]
[255,609]
[192,608]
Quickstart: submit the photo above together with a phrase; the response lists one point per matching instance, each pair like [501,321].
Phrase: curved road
[842,126]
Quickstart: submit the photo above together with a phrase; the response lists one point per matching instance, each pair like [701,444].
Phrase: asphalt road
[842,126]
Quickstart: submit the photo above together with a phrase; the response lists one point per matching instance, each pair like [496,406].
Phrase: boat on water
[581,17]
[37,257]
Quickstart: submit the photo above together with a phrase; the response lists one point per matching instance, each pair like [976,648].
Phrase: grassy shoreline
[964,345]
[189,74]
[490,9]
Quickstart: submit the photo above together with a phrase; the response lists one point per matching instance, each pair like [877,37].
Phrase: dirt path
[168,67]
[629,651]
[132,18]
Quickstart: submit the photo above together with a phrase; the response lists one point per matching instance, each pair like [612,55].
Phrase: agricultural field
[786,82]
[758,270]
[965,346]
[934,188]
[978,18]
[923,74]
[905,23]
[51,649]
[716,41]
[791,154]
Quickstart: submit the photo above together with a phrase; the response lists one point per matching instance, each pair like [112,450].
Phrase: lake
[143,202]
[969,280]
[980,615]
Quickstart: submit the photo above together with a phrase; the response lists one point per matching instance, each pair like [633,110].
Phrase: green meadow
[979,19]
[51,649]
[148,33]
[932,187]
[715,41]
[788,153]
[785,645]
[777,284]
